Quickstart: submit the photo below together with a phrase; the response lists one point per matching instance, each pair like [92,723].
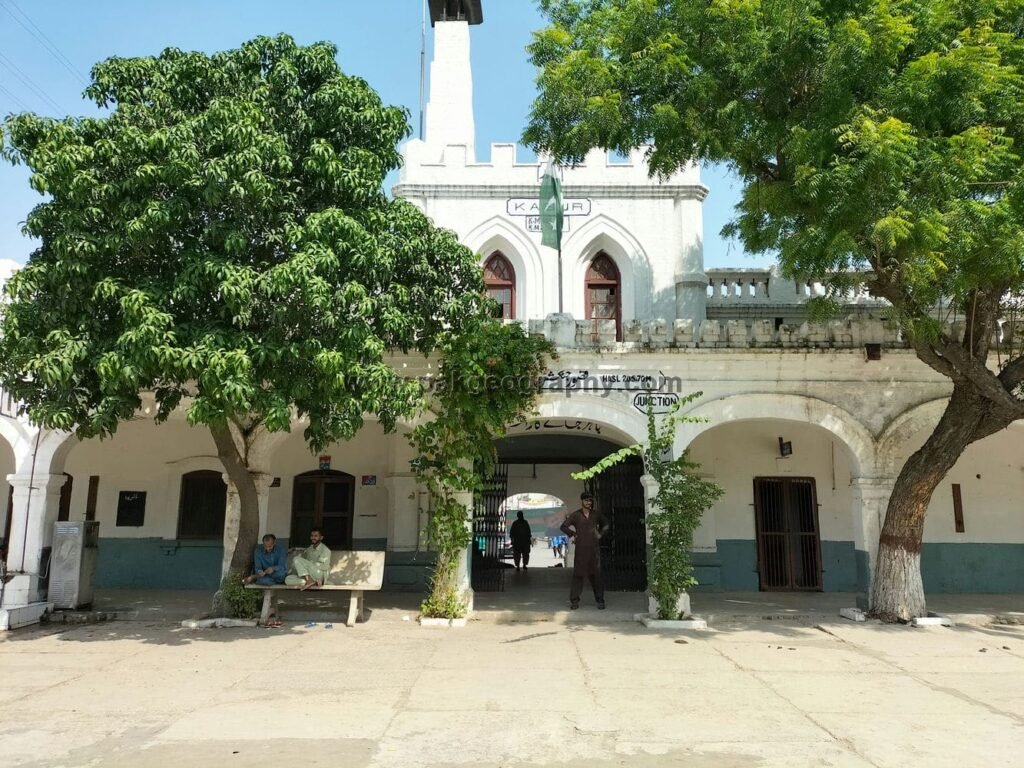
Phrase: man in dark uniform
[522,538]
[586,526]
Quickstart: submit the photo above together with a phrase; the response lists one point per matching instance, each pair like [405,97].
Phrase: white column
[403,513]
[463,577]
[36,503]
[691,282]
[870,500]
[263,481]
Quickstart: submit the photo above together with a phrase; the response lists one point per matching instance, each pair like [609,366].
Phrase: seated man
[269,564]
[312,566]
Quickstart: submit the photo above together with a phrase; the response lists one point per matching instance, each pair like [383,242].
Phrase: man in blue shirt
[269,563]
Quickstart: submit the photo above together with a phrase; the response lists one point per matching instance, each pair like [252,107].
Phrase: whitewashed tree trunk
[898,589]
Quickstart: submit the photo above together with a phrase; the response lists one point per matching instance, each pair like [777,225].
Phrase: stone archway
[832,452]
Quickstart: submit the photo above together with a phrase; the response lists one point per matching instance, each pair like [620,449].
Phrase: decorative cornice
[600,191]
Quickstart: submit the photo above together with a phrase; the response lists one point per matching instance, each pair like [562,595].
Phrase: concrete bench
[352,570]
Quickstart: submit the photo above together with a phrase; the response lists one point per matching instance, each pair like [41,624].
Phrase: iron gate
[620,496]
[788,540]
[490,533]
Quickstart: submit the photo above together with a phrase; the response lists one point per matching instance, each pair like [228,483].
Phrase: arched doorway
[543,457]
[323,499]
[786,520]
[603,297]
[500,279]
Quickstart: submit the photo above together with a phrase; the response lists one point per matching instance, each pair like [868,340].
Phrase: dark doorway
[6,541]
[64,506]
[788,537]
[620,496]
[202,504]
[489,532]
[324,500]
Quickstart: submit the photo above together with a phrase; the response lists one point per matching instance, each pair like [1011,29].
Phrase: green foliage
[869,134]
[239,602]
[675,510]
[221,237]
[487,380]
[443,603]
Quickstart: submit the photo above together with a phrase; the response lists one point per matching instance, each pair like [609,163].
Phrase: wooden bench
[355,571]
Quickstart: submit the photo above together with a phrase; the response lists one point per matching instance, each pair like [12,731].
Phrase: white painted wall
[734,454]
[991,478]
[369,454]
[141,456]
[652,229]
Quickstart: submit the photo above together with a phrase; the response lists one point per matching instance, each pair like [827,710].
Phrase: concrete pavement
[596,692]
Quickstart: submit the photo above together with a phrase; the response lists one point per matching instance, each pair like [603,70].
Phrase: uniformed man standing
[586,526]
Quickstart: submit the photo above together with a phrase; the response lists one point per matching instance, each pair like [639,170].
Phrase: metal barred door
[788,537]
[490,533]
[620,496]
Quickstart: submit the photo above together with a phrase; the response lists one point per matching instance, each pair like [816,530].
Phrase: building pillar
[691,282]
[36,503]
[870,501]
[464,574]
[403,513]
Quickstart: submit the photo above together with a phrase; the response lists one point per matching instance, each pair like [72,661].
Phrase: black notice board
[131,508]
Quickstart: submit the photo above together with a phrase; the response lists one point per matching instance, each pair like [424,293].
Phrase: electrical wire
[42,38]
[29,83]
[15,99]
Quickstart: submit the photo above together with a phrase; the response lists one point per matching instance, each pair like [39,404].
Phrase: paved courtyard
[586,689]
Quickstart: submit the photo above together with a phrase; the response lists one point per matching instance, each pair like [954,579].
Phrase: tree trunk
[233,457]
[897,592]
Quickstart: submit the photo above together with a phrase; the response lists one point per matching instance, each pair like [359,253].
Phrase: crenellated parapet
[454,171]
[854,332]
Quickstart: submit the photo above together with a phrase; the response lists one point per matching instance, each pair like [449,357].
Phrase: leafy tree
[870,135]
[675,510]
[221,238]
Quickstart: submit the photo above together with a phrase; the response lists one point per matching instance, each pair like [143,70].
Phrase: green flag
[550,207]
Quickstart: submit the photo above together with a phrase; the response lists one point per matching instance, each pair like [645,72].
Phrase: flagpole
[559,275]
[423,63]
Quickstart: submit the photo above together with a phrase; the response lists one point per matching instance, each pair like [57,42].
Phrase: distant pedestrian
[521,536]
[586,525]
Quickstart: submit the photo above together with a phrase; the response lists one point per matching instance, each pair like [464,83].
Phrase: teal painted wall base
[407,571]
[945,567]
[993,568]
[863,570]
[158,564]
[733,568]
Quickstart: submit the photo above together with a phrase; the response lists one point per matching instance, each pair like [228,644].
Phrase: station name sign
[529,209]
[530,206]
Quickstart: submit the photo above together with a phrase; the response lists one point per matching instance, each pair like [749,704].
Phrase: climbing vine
[486,381]
[675,510]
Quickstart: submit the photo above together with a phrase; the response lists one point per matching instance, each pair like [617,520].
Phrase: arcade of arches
[805,521]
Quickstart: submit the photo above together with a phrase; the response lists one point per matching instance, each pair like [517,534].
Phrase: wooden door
[323,500]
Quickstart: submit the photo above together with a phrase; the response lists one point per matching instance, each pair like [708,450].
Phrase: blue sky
[378,40]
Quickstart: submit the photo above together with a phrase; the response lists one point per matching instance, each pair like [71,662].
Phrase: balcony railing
[767,286]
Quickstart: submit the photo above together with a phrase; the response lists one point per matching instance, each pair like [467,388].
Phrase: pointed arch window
[500,279]
[604,293]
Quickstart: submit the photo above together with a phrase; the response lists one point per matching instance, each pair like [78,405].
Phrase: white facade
[739,336]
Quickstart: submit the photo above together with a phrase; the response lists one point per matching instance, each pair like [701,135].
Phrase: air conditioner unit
[73,563]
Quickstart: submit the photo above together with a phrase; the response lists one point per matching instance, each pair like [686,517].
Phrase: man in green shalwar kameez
[310,569]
